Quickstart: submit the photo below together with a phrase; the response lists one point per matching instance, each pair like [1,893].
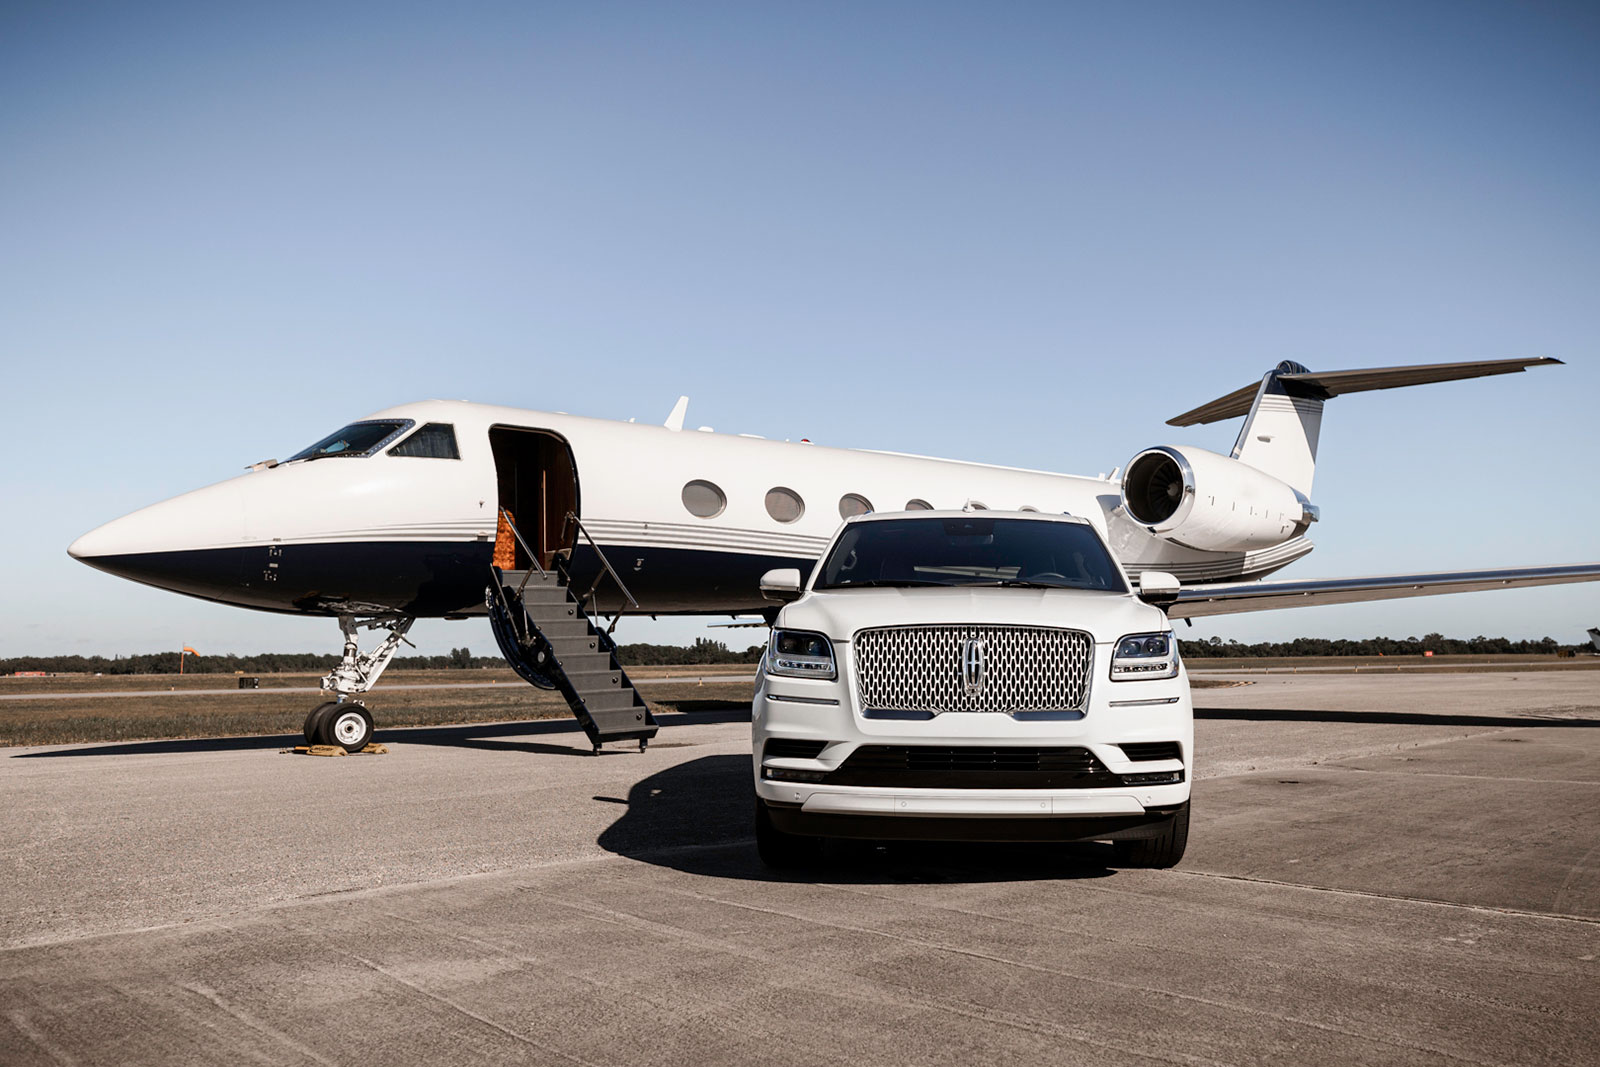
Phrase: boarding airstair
[555,637]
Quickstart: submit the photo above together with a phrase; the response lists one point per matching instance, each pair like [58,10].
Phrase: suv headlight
[1140,656]
[801,654]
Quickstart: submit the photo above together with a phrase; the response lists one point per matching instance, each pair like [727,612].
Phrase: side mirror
[781,584]
[1158,588]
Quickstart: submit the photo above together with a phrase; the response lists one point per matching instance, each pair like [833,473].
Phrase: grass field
[178,683]
[64,720]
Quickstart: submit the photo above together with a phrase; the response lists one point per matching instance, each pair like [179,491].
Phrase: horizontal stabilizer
[1228,598]
[1324,384]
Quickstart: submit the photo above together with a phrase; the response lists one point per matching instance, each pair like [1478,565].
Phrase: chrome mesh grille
[919,668]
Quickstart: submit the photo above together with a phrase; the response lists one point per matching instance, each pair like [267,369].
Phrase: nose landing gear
[347,724]
[343,721]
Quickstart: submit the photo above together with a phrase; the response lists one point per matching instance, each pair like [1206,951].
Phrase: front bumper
[1121,802]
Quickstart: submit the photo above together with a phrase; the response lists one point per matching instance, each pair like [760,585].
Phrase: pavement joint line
[469,1013]
[709,1009]
[42,1043]
[872,988]
[1332,760]
[1268,962]
[221,918]
[1209,1002]
[1582,864]
[1485,909]
[1466,777]
[255,1024]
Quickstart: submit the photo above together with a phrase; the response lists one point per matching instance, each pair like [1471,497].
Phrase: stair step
[565,628]
[594,681]
[574,646]
[612,703]
[585,662]
[554,611]
[534,577]
[542,596]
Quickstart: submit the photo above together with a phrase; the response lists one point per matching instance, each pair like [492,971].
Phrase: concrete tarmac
[1389,869]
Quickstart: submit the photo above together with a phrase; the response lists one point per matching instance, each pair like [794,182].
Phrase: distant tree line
[703,651]
[1438,644]
[707,651]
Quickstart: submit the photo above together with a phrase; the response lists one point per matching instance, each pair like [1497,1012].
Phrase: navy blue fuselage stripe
[430,579]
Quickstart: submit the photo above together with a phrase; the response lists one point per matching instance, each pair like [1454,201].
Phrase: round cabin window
[784,504]
[918,505]
[853,504]
[704,499]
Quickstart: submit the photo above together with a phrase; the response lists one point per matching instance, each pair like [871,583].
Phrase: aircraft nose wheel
[314,720]
[348,725]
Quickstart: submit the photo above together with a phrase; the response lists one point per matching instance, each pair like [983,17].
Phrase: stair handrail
[607,568]
[532,555]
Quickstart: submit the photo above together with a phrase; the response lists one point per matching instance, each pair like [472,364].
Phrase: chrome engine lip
[1185,505]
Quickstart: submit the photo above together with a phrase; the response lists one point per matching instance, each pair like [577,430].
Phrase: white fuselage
[411,535]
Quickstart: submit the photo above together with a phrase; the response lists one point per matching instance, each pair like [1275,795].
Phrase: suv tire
[782,851]
[1163,850]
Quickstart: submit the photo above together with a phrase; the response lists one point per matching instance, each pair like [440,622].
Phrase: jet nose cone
[97,542]
[187,544]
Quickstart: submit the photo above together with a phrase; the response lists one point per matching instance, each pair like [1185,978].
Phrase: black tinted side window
[436,440]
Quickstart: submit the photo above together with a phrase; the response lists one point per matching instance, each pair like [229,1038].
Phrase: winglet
[679,410]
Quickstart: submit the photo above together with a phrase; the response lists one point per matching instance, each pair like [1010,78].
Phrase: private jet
[555,526]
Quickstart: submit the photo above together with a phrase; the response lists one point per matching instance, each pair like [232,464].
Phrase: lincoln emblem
[972,666]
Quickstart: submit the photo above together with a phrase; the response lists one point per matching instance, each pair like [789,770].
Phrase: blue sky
[1025,234]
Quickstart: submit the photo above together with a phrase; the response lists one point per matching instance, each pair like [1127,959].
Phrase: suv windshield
[357,439]
[971,551]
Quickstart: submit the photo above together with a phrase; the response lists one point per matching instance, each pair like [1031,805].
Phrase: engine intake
[1209,502]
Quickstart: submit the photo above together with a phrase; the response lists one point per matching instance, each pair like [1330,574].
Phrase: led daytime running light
[801,654]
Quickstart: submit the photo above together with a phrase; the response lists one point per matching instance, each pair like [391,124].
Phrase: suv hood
[839,613]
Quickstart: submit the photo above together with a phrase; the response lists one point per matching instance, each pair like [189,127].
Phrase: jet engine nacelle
[1209,502]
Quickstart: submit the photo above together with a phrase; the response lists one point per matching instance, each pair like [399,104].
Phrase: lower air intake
[1147,751]
[792,748]
[970,767]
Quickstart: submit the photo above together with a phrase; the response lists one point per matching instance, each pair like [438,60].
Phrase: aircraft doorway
[538,485]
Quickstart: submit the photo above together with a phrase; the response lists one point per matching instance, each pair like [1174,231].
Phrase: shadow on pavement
[482,736]
[1402,718]
[179,744]
[698,817]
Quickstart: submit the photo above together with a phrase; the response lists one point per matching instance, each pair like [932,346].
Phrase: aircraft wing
[1227,598]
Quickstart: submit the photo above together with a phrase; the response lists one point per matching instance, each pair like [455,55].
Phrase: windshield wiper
[1019,583]
[886,582]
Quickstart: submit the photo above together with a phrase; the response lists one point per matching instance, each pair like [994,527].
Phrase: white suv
[975,676]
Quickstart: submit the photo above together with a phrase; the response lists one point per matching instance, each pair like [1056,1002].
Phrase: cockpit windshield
[357,439]
[971,551]
[436,440]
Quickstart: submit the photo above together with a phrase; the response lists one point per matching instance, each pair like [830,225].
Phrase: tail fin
[1284,411]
